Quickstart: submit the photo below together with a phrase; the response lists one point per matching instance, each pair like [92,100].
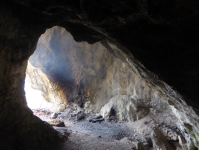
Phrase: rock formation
[158,40]
[70,73]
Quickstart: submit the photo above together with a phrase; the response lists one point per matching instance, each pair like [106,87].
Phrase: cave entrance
[97,97]
[66,72]
[34,97]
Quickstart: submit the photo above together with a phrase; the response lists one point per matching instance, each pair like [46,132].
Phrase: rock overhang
[160,35]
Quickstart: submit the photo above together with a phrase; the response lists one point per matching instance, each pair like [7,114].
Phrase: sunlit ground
[34,98]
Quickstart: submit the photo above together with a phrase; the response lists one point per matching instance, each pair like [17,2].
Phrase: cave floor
[108,134]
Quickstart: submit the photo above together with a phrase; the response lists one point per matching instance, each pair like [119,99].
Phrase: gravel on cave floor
[104,135]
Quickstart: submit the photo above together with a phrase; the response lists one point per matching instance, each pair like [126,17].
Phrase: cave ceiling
[162,35]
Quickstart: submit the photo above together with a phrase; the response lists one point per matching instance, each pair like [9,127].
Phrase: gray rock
[96,120]
[57,124]
[80,116]
[98,117]
[54,116]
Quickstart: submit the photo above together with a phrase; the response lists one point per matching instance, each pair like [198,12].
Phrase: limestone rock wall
[89,76]
[68,72]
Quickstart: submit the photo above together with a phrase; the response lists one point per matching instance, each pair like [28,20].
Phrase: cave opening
[147,97]
[34,98]
[84,90]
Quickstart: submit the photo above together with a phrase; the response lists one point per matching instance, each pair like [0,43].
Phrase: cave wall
[20,129]
[91,77]
[162,35]
[69,72]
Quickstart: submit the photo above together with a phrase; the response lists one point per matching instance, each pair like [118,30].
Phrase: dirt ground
[149,133]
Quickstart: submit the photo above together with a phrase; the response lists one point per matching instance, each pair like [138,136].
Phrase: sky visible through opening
[34,98]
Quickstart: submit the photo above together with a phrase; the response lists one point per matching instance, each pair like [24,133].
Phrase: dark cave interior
[157,40]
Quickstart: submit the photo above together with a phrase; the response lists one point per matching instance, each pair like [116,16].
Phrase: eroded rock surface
[88,75]
[157,36]
[19,128]
[69,72]
[122,107]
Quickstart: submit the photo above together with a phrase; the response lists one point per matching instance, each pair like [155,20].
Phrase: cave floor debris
[111,134]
